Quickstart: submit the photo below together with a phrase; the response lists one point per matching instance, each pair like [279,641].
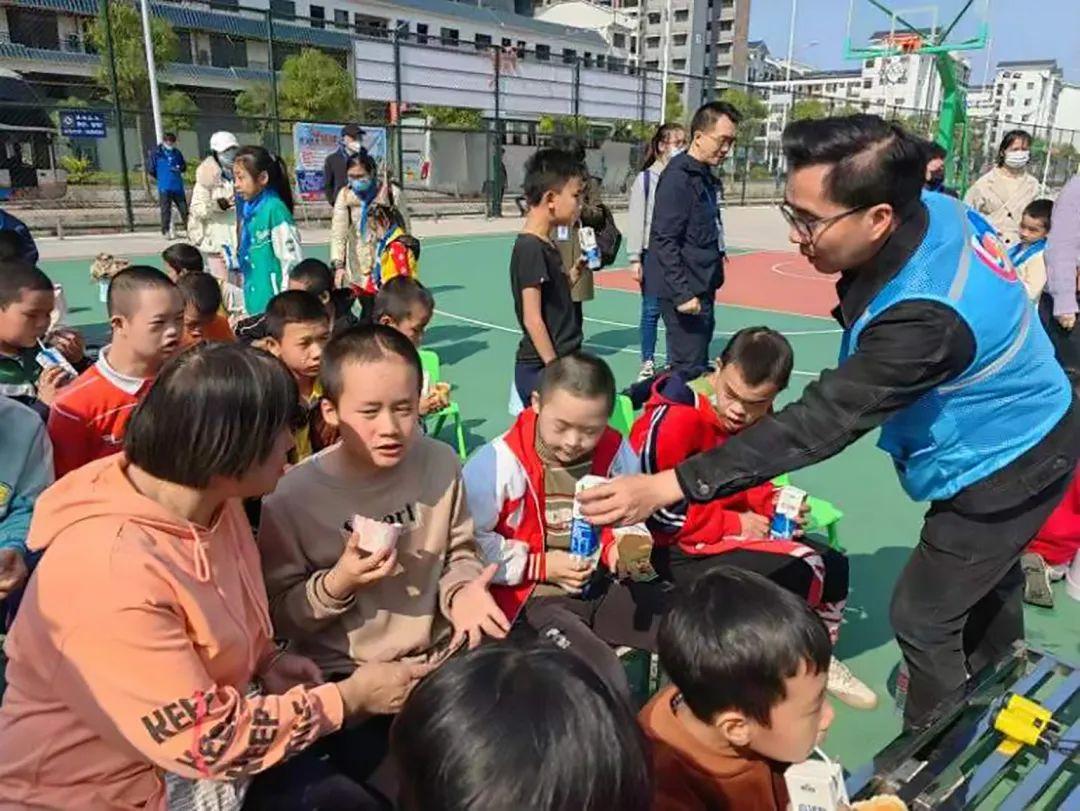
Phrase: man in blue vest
[944,353]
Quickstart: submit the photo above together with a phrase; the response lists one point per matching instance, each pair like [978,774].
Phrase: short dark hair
[732,637]
[11,245]
[935,150]
[17,276]
[229,402]
[364,343]
[184,258]
[293,307]
[397,297]
[201,291]
[131,280]
[762,354]
[364,160]
[1041,209]
[580,374]
[390,215]
[169,136]
[315,275]
[549,170]
[872,161]
[1006,142]
[708,114]
[471,731]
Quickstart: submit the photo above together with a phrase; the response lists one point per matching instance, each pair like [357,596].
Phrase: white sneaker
[648,369]
[847,687]
[1037,589]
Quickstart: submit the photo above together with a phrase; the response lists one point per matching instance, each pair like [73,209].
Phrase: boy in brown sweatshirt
[336,595]
[748,663]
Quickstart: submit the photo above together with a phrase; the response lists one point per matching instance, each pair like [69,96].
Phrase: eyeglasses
[721,141]
[811,228]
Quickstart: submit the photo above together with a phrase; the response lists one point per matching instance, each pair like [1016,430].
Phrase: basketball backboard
[890,27]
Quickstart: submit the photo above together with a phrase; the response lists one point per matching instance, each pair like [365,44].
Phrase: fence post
[399,151]
[119,113]
[495,166]
[273,81]
[577,97]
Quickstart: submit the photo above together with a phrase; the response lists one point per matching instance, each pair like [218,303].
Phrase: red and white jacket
[504,485]
[678,423]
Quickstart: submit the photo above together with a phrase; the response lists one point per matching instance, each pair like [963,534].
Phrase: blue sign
[80,124]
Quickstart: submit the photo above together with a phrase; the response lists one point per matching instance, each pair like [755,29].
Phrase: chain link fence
[458,117]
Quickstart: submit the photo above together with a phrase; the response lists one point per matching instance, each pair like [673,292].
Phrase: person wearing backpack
[667,142]
[397,253]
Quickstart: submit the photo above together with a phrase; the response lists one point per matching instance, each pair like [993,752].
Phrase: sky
[1019,29]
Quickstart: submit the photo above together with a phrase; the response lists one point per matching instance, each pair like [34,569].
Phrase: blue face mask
[361,186]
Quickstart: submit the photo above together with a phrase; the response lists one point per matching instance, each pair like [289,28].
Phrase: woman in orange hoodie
[143,648]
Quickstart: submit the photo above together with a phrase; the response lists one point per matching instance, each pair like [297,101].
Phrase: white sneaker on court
[648,369]
[847,687]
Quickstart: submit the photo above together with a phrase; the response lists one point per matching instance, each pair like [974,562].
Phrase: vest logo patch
[993,253]
[6,493]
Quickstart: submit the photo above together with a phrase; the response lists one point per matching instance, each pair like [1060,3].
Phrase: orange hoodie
[133,650]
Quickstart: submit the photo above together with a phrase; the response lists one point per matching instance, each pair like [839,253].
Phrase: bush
[79,169]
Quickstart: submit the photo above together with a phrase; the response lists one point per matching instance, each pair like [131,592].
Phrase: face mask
[169,147]
[1017,160]
[676,151]
[352,147]
[225,161]
[361,187]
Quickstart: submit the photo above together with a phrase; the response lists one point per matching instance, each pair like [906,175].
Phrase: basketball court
[475,333]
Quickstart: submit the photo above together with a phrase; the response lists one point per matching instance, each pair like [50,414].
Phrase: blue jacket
[686,240]
[1014,391]
[26,469]
[29,248]
[167,166]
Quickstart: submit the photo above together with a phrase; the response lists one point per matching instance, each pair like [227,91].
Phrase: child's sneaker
[648,371]
[1036,581]
[847,687]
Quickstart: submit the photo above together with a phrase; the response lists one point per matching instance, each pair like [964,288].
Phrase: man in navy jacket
[166,165]
[685,264]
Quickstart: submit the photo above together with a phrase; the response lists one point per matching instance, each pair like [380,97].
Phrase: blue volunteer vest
[1013,392]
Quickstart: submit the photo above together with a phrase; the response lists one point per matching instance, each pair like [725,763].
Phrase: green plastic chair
[824,515]
[429,362]
[622,417]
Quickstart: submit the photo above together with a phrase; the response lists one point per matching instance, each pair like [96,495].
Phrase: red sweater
[88,418]
[1058,541]
[678,423]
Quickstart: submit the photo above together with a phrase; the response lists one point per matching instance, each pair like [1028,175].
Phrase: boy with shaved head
[88,418]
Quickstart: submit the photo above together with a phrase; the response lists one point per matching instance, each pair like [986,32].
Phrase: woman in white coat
[212,222]
[1002,194]
[668,141]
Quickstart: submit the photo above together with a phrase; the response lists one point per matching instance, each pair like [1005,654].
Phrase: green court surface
[475,334]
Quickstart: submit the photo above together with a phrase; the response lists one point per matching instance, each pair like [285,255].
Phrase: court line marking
[787,333]
[769,310]
[816,277]
[628,350]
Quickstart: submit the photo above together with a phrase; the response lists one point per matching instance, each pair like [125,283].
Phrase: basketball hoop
[905,42]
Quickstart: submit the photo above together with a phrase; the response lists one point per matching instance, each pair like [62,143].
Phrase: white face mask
[676,151]
[1017,160]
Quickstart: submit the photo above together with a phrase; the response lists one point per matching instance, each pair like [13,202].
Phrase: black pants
[526,379]
[957,605]
[620,614]
[328,774]
[689,336]
[166,199]
[1066,342]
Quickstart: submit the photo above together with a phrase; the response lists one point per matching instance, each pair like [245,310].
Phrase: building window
[522,49]
[482,42]
[226,52]
[183,47]
[588,60]
[654,18]
[899,102]
[869,63]
[507,42]
[652,42]
[450,37]
[282,9]
[618,40]
[1031,85]
[421,33]
[678,64]
[371,26]
[652,64]
[727,26]
[679,39]
[682,15]
[543,53]
[569,56]
[868,83]
[318,16]
[341,18]
[723,71]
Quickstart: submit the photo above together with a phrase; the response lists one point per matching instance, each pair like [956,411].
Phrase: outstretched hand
[473,612]
[629,499]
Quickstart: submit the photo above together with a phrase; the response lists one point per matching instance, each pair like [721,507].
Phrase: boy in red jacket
[678,423]
[520,489]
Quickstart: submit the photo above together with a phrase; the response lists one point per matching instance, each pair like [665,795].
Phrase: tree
[808,109]
[132,79]
[563,125]
[754,112]
[674,112]
[315,87]
[177,111]
[459,118]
